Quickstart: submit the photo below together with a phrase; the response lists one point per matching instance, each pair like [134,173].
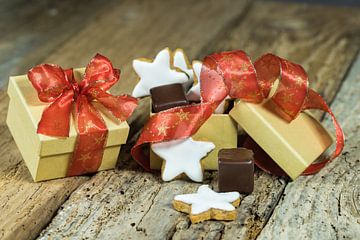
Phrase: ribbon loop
[100,74]
[291,91]
[49,81]
[234,72]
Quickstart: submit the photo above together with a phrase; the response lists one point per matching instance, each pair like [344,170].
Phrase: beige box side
[293,146]
[51,167]
[219,129]
[24,135]
[21,88]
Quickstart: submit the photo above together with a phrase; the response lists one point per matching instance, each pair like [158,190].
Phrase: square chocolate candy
[168,96]
[236,170]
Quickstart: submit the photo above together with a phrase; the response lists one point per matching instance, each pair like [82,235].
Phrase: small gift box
[49,157]
[292,145]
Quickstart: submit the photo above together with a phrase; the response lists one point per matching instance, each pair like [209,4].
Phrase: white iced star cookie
[156,73]
[194,93]
[182,62]
[182,157]
[206,204]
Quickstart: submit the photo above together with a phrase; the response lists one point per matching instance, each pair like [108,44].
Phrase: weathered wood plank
[32,30]
[189,25]
[158,220]
[327,205]
[324,40]
[127,29]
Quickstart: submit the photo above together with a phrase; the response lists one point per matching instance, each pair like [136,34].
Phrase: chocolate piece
[236,170]
[168,96]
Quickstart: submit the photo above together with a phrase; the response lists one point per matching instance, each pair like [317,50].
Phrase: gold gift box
[219,129]
[293,146]
[48,157]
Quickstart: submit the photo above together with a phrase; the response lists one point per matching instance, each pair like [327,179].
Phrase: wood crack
[152,203]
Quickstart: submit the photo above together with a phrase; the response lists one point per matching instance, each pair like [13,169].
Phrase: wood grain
[122,30]
[31,30]
[137,32]
[327,205]
[253,34]
[324,40]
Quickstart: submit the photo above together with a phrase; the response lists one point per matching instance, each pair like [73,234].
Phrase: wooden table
[128,203]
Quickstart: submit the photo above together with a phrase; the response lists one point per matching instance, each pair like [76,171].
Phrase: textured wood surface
[327,205]
[136,221]
[31,30]
[324,40]
[128,203]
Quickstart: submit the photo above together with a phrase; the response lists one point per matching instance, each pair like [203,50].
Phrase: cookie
[194,92]
[181,61]
[182,157]
[157,72]
[206,204]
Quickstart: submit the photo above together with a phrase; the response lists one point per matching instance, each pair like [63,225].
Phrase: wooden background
[128,203]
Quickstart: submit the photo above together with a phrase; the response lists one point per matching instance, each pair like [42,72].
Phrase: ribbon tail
[315,101]
[55,119]
[141,155]
[120,106]
[92,136]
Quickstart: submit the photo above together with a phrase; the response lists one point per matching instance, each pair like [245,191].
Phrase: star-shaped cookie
[182,156]
[194,92]
[156,73]
[182,62]
[206,204]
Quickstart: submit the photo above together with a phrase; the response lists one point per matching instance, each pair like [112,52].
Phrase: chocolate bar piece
[168,96]
[236,170]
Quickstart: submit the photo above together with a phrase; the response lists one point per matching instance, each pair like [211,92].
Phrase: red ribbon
[232,73]
[59,88]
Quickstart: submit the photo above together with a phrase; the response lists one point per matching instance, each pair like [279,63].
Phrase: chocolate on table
[168,96]
[236,170]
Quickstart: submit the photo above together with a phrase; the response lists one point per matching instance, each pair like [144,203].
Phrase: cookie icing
[156,73]
[182,156]
[182,62]
[205,199]
[194,93]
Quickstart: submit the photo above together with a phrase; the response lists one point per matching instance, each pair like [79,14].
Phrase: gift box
[48,157]
[292,145]
[220,129]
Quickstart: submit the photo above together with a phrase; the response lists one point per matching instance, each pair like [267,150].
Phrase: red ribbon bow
[59,88]
[232,73]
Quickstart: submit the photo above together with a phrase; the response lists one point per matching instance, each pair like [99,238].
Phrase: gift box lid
[293,146]
[22,93]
